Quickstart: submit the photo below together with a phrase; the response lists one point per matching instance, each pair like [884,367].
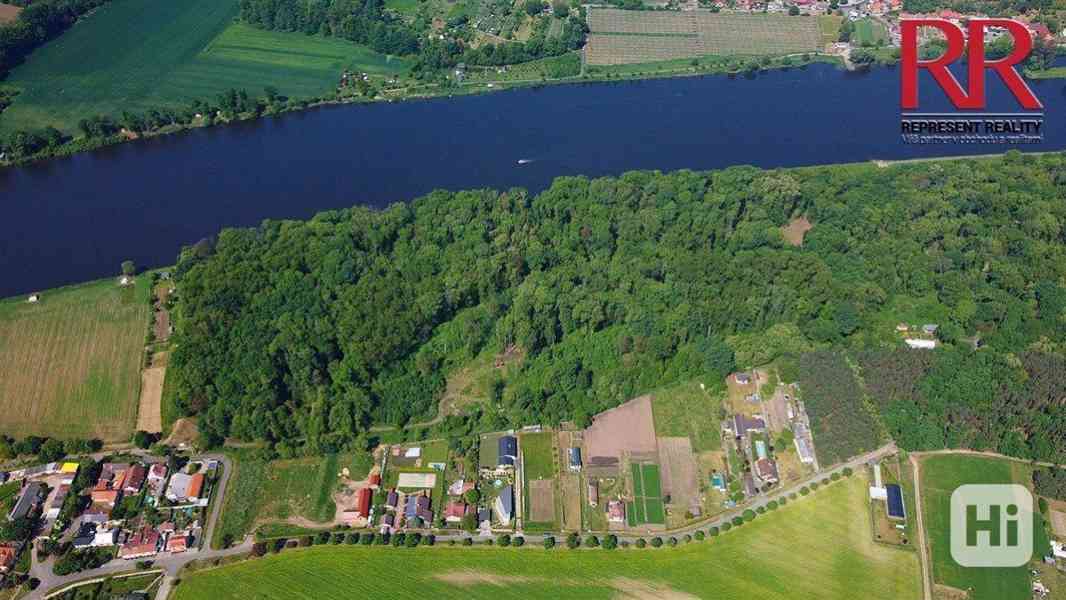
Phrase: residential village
[616,475]
[131,510]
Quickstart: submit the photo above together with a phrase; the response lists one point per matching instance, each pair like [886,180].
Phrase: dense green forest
[317,330]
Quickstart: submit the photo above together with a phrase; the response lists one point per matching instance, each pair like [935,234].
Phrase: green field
[819,547]
[538,455]
[941,475]
[140,54]
[274,491]
[685,410]
[869,32]
[647,505]
[70,365]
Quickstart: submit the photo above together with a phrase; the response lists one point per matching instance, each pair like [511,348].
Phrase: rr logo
[974,96]
[991,525]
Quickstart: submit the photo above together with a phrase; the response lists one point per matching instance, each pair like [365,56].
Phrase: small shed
[575,458]
[34,298]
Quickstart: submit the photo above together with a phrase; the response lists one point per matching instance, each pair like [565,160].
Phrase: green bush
[726,526]
[504,540]
[468,541]
[713,531]
[737,521]
[772,505]
[749,515]
[672,541]
[760,509]
[641,543]
[549,542]
[592,541]
[847,471]
[699,536]
[835,476]
[804,491]
[518,541]
[656,542]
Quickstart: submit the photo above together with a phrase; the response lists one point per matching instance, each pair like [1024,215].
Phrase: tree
[52,450]
[610,542]
[549,542]
[533,7]
[592,541]
[129,268]
[143,439]
[793,10]
[573,541]
[472,497]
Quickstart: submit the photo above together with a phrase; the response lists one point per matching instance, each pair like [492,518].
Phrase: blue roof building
[508,453]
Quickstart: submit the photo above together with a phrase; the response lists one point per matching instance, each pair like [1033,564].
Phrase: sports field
[647,505]
[70,364]
[140,54]
[817,547]
[625,37]
[941,475]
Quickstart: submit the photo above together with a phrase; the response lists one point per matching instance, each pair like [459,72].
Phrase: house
[740,425]
[1058,549]
[575,459]
[178,543]
[415,452]
[930,328]
[85,536]
[105,498]
[143,543]
[508,451]
[454,512]
[460,487]
[616,511]
[920,344]
[135,478]
[418,506]
[96,514]
[504,505]
[28,500]
[392,499]
[742,378]
[157,476]
[105,537]
[895,502]
[56,504]
[802,441]
[8,554]
[196,491]
[766,469]
[112,476]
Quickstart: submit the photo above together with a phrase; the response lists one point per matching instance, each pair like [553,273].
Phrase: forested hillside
[611,287]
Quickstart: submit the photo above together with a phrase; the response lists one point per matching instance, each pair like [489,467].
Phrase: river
[78,218]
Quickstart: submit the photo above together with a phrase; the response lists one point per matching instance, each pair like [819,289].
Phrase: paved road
[171,564]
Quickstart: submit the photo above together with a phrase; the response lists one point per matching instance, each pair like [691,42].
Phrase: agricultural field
[940,476]
[647,505]
[829,27]
[70,365]
[262,491]
[628,37]
[176,52]
[538,455]
[828,529]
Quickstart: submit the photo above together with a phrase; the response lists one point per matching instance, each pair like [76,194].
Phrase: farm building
[802,441]
[594,493]
[362,502]
[575,458]
[895,502]
[508,452]
[504,505]
[31,495]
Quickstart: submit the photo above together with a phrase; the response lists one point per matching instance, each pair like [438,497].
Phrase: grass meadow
[70,365]
[685,410]
[538,455]
[815,547]
[140,54]
[941,475]
[277,490]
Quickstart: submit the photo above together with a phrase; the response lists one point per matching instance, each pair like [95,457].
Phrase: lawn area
[941,475]
[684,410]
[647,505]
[140,54]
[829,26]
[538,455]
[818,547]
[869,32]
[272,491]
[70,365]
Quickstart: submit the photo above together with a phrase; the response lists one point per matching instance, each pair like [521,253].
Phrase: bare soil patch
[470,577]
[1058,522]
[542,501]
[629,428]
[945,592]
[679,472]
[184,432]
[150,411]
[795,231]
[8,13]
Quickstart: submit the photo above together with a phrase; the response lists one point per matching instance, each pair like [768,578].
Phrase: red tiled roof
[362,502]
[455,510]
[196,486]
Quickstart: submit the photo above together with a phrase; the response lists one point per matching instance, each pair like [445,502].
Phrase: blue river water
[78,218]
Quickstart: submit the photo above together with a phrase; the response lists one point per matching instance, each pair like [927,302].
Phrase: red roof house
[453,513]
[135,479]
[362,502]
[144,542]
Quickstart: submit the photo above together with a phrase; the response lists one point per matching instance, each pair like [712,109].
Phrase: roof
[766,469]
[742,424]
[362,501]
[392,498]
[575,457]
[60,497]
[895,501]
[109,497]
[135,478]
[374,479]
[196,486]
[506,499]
[143,542]
[178,543]
[455,510]
[69,467]
[30,494]
[157,471]
[508,449]
[7,556]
